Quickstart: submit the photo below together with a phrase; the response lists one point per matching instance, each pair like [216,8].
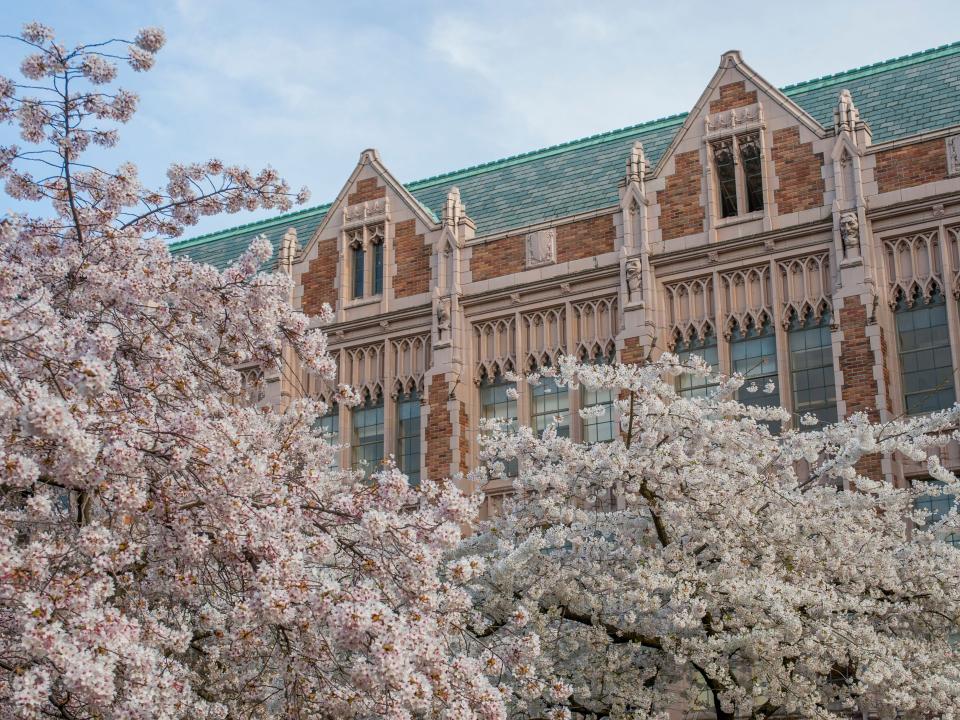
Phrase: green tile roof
[898,98]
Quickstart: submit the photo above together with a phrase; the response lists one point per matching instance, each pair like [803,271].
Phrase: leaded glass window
[753,351]
[602,427]
[705,347]
[366,440]
[811,368]
[496,404]
[752,171]
[725,163]
[329,424]
[926,365]
[377,244]
[550,404]
[408,436]
[937,506]
[357,257]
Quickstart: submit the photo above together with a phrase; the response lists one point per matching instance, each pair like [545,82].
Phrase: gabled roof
[898,98]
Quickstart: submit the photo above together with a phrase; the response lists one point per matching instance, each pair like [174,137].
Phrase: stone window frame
[731,126]
[368,242]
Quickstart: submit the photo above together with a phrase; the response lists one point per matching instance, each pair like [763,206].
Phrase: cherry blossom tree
[700,566]
[166,550]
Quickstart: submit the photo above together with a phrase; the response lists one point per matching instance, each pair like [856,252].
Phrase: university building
[807,235]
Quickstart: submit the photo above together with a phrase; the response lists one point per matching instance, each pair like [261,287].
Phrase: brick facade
[911,165]
[680,210]
[498,257]
[585,238]
[413,260]
[439,429]
[364,190]
[319,280]
[799,172]
[734,95]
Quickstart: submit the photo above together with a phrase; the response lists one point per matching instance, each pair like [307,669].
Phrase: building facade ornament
[634,269]
[542,248]
[849,232]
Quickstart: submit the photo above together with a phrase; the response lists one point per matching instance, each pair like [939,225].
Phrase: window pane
[926,365]
[408,436]
[378,268]
[704,348]
[366,443]
[601,428]
[752,171]
[329,425]
[358,271]
[550,404]
[811,369]
[723,159]
[753,353]
[494,404]
[937,506]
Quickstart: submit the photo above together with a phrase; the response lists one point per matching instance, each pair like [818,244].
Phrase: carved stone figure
[443,317]
[849,232]
[634,277]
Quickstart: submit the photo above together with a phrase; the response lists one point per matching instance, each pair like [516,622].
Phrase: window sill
[361,302]
[737,219]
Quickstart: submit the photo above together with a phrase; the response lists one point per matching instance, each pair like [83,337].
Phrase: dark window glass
[550,405]
[725,163]
[938,506]
[926,366]
[601,428]
[752,171]
[494,403]
[366,442]
[753,352]
[358,271]
[408,436]
[811,369]
[378,268]
[705,348]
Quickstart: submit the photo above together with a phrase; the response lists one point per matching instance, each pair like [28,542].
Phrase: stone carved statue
[849,232]
[634,270]
[443,317]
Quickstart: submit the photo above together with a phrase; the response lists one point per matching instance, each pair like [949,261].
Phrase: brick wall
[464,438]
[366,190]
[632,352]
[859,389]
[910,165]
[413,260]
[585,238]
[499,257]
[439,429]
[318,280]
[799,170]
[734,95]
[680,210]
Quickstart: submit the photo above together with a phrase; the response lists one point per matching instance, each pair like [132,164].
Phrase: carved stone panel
[541,248]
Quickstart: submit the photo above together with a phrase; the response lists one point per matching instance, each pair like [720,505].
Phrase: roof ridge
[189,242]
[873,68]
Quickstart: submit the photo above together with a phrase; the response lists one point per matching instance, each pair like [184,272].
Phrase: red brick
[911,165]
[799,171]
[318,281]
[734,95]
[366,190]
[680,210]
[413,260]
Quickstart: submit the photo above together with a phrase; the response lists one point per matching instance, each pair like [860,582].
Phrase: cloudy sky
[437,86]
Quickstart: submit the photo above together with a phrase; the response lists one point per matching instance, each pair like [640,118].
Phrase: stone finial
[845,114]
[369,155]
[288,249]
[452,207]
[636,164]
[731,58]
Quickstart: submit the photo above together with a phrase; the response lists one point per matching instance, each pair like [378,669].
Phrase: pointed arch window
[811,367]
[367,248]
[738,169]
[598,426]
[923,340]
[366,438]
[408,435]
[497,403]
[704,346]
[357,256]
[376,243]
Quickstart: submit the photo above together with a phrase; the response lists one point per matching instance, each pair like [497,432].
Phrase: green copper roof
[898,98]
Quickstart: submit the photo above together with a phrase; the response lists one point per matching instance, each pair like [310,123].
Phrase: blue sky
[436,86]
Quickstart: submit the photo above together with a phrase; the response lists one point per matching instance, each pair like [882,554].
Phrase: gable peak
[731,58]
